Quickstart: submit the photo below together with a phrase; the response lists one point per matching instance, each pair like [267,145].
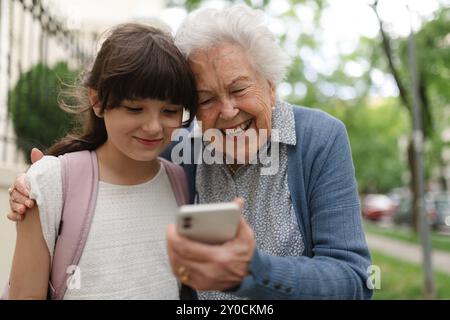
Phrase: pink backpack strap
[80,181]
[178,181]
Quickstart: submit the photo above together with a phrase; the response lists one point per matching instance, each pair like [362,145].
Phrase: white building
[21,36]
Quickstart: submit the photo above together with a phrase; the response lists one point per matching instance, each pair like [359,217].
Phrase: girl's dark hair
[135,62]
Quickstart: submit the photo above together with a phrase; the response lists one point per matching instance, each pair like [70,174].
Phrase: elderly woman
[301,236]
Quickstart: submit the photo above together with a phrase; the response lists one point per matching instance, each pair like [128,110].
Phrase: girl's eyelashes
[132,110]
[166,110]
[171,111]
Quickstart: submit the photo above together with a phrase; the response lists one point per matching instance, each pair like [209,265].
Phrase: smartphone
[209,223]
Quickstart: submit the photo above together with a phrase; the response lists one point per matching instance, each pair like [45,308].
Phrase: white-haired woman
[301,236]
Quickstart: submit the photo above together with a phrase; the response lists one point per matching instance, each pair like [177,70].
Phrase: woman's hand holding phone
[204,266]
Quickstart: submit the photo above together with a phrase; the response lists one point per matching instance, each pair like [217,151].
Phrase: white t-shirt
[125,256]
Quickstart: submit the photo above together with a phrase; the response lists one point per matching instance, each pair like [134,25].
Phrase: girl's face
[141,129]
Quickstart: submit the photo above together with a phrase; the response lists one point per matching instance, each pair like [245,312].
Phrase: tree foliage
[374,129]
[34,109]
[433,52]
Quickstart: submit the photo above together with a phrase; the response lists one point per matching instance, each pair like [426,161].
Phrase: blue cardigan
[324,193]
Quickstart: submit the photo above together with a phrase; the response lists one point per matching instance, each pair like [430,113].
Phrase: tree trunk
[415,218]
[442,175]
[404,96]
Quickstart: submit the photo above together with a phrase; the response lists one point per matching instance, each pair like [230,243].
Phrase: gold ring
[184,278]
[184,274]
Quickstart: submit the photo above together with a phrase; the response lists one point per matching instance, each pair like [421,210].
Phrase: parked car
[404,215]
[397,194]
[376,206]
[442,205]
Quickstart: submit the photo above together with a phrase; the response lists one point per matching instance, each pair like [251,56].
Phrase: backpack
[79,172]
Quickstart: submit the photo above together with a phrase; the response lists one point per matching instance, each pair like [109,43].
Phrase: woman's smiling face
[233,97]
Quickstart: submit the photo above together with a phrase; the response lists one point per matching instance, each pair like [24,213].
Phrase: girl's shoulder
[44,179]
[44,173]
[48,165]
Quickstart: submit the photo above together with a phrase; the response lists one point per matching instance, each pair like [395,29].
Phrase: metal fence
[31,34]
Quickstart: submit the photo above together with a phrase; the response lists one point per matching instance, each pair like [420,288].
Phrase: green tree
[34,109]
[375,131]
[433,52]
[433,70]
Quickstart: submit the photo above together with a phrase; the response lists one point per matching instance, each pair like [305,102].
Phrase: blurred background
[356,59]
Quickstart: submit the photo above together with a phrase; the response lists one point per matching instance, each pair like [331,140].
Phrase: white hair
[238,24]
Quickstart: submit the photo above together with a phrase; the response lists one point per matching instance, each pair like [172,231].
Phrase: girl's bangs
[161,77]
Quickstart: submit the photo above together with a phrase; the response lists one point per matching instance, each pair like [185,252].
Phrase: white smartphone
[209,223]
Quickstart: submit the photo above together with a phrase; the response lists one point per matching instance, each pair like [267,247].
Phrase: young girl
[135,95]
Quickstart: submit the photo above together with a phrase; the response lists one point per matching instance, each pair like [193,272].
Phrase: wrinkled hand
[211,267]
[19,201]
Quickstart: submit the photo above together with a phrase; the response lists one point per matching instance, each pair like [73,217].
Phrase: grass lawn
[439,241]
[403,280]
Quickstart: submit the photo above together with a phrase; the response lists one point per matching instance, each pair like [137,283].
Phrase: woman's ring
[184,278]
[183,273]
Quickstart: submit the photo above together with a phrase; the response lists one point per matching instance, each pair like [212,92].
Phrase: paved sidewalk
[408,252]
